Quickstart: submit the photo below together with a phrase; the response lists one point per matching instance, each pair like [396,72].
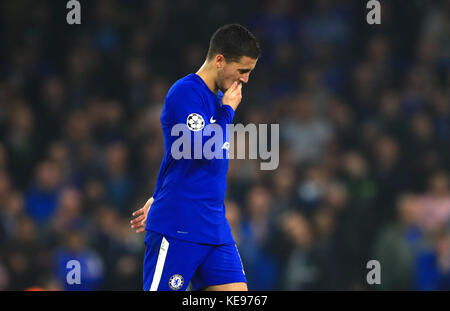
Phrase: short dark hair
[233,41]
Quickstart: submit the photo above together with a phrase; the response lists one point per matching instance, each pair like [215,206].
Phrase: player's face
[229,72]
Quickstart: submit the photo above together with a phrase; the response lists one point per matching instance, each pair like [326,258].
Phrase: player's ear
[220,61]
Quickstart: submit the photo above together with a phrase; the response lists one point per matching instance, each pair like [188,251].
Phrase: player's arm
[186,102]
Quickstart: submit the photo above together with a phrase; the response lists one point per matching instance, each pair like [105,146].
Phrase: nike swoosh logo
[212,120]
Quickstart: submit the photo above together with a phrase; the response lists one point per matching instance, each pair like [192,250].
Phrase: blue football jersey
[189,194]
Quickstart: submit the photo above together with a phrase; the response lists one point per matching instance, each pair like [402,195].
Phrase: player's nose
[244,79]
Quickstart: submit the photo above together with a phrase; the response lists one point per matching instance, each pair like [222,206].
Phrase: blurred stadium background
[364,125]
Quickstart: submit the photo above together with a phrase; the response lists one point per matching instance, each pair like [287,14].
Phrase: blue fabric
[189,195]
[202,264]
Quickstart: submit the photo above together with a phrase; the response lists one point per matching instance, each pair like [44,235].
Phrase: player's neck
[209,77]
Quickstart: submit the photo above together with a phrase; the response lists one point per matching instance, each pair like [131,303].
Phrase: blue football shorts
[170,264]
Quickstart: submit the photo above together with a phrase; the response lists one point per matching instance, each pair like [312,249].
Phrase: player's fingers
[138,212]
[144,208]
[232,88]
[239,88]
[137,219]
[142,229]
[139,224]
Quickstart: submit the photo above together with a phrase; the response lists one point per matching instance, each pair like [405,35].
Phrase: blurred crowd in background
[364,127]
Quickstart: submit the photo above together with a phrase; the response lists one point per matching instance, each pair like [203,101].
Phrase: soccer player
[188,238]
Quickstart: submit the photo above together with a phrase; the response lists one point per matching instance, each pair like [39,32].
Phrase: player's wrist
[231,106]
[229,111]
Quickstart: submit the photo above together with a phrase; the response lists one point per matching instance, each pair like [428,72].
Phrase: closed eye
[242,71]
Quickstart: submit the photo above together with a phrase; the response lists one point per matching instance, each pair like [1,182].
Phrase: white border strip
[160,264]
